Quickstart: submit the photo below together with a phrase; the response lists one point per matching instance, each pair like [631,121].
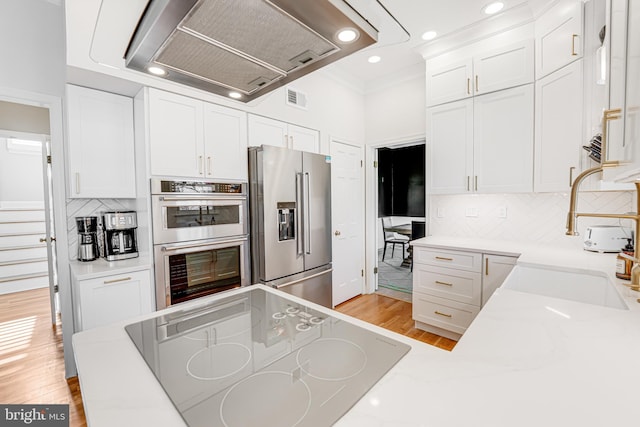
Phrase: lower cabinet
[111,298]
[450,287]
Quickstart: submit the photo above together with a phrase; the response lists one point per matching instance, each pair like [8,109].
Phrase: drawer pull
[122,279]
[443,283]
[444,259]
[442,314]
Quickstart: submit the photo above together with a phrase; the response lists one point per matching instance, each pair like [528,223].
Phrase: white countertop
[526,360]
[101,267]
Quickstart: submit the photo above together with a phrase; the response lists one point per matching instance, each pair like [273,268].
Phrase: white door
[225,142]
[449,82]
[50,237]
[347,211]
[266,131]
[304,139]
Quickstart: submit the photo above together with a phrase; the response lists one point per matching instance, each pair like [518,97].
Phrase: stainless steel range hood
[249,47]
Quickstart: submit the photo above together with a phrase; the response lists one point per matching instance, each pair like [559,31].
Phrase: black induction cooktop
[256,358]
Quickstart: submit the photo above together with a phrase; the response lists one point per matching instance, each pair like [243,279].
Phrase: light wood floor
[391,314]
[32,361]
[31,355]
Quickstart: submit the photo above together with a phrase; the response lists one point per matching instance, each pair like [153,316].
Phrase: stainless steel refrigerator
[290,209]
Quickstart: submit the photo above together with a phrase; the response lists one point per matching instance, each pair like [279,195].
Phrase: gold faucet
[573,216]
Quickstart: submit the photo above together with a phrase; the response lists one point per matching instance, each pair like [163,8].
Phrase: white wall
[33,52]
[531,217]
[20,175]
[396,112]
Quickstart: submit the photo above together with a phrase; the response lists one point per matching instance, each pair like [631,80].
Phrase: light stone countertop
[101,267]
[526,360]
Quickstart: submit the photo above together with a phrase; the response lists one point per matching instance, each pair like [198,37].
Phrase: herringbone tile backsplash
[531,217]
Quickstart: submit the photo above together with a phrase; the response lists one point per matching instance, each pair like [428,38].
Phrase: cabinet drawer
[458,285]
[442,313]
[451,259]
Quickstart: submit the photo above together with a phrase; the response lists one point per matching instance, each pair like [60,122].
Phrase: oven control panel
[197,187]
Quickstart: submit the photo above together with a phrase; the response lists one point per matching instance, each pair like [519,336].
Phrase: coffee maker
[87,238]
[120,235]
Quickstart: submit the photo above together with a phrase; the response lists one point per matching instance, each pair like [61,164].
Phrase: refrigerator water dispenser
[286,221]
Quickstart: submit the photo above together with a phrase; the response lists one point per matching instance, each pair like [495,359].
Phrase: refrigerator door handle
[293,282]
[299,198]
[307,215]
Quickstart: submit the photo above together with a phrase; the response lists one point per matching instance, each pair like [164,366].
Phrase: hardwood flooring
[32,361]
[391,314]
[31,356]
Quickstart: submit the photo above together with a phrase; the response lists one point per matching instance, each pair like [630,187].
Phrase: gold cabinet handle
[486,266]
[475,183]
[122,279]
[200,165]
[208,165]
[468,86]
[477,85]
[607,116]
[573,45]
[468,181]
[442,314]
[77,183]
[443,283]
[444,259]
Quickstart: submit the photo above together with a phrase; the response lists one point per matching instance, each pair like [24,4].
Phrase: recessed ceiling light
[374,59]
[235,95]
[348,35]
[157,71]
[429,35]
[494,7]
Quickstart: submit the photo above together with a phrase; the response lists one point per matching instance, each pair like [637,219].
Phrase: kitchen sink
[575,285]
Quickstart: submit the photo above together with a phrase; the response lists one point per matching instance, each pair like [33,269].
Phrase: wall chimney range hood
[243,48]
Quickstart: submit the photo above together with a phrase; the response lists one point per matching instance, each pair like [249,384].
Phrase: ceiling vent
[296,98]
[249,47]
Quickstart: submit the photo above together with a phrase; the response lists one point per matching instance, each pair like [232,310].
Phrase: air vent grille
[296,98]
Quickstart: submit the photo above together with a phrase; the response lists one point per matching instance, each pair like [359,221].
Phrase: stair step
[23,277]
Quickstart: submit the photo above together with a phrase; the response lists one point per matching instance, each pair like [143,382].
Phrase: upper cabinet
[100,144]
[263,130]
[486,72]
[484,144]
[558,129]
[195,139]
[559,36]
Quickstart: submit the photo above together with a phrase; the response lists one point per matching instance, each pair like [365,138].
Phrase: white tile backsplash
[530,217]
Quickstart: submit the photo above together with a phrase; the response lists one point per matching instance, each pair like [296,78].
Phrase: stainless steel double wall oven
[200,236]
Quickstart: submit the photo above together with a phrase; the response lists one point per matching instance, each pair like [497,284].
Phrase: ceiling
[399,42]
[418,16]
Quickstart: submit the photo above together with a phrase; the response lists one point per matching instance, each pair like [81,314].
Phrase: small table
[405,230]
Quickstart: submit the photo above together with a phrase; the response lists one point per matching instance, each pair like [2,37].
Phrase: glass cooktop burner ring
[270,406]
[238,354]
[317,359]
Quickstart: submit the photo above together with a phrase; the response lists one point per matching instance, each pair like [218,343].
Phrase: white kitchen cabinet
[176,137]
[112,298]
[100,144]
[266,131]
[558,129]
[447,289]
[225,143]
[451,286]
[195,139]
[503,141]
[559,36]
[495,270]
[484,144]
[489,71]
[450,130]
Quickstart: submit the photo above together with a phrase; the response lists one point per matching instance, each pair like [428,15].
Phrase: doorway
[401,212]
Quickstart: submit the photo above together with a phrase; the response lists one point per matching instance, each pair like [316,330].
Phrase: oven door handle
[202,198]
[200,245]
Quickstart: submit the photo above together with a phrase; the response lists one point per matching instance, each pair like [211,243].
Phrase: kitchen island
[526,360]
